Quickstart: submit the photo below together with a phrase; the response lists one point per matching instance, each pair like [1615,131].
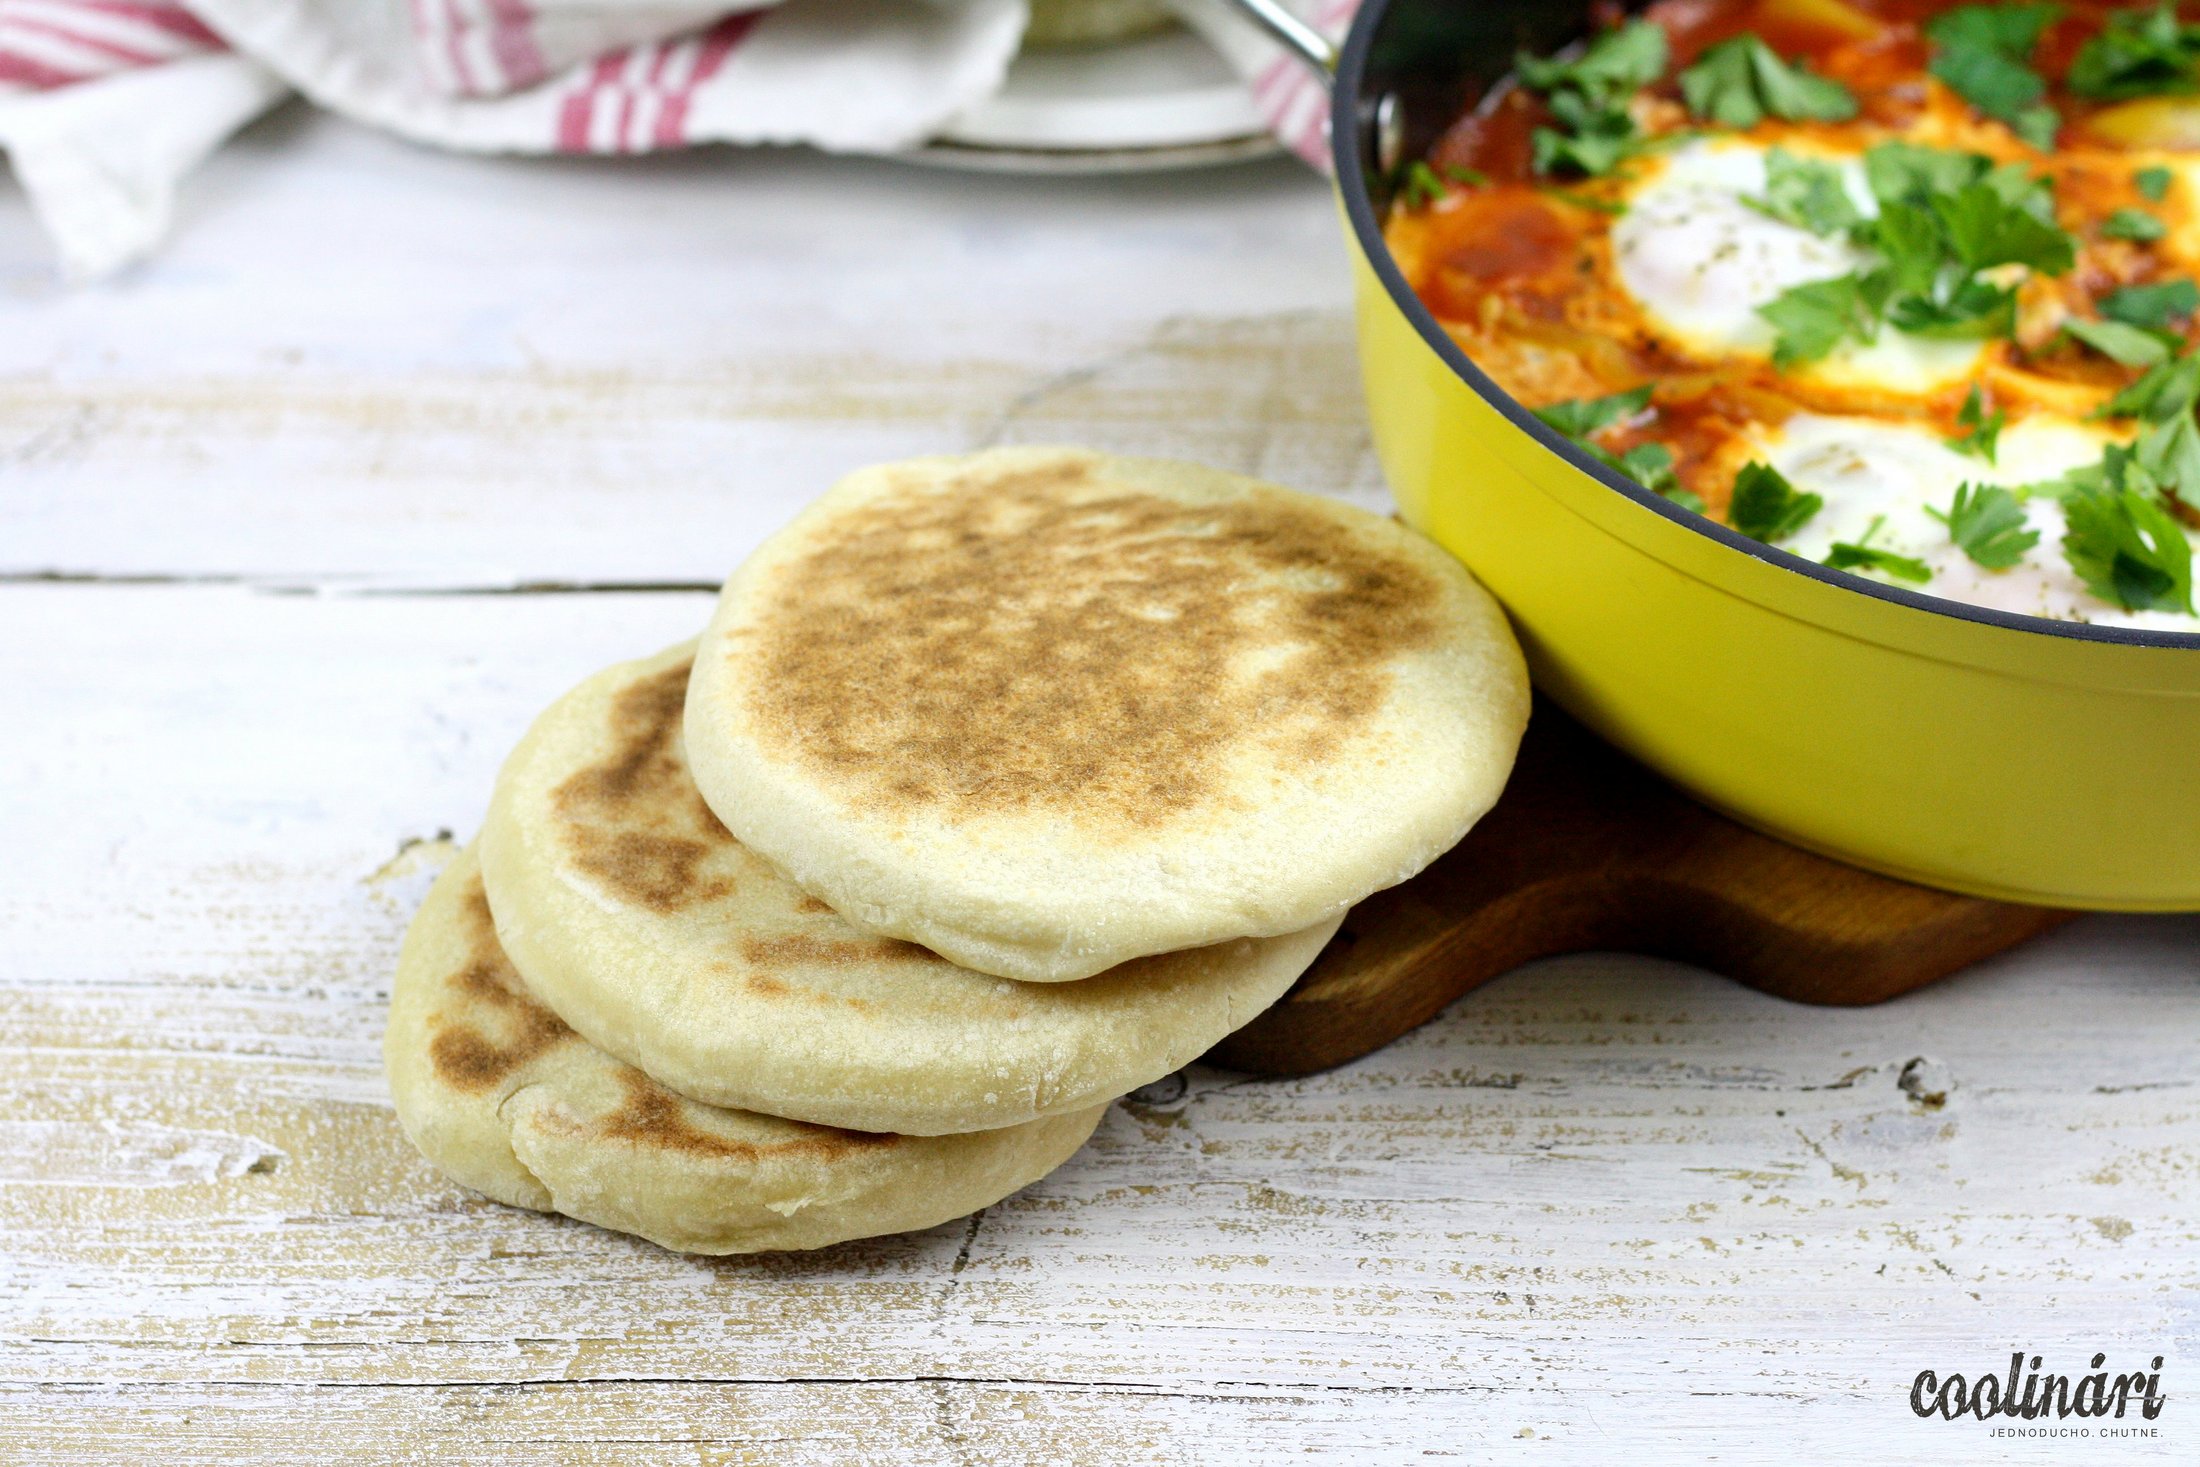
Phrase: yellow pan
[2002,755]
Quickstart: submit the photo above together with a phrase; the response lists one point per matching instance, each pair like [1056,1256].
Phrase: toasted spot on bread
[634,820]
[464,1055]
[1038,637]
[791,949]
[653,1116]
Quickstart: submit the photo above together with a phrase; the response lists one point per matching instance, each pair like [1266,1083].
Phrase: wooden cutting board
[1589,850]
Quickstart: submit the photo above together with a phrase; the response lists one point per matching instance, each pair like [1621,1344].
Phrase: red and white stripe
[638,99]
[57,43]
[479,48]
[1292,99]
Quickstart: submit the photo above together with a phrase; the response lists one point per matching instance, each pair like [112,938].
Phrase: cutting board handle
[1589,851]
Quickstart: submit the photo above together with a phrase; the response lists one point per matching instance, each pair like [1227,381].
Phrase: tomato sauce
[1519,266]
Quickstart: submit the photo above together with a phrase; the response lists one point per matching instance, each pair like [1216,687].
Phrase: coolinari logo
[2026,1395]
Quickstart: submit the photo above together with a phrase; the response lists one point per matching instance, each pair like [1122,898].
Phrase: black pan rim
[1346,154]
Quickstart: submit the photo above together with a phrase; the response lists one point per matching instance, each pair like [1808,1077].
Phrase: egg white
[1866,468]
[1699,262]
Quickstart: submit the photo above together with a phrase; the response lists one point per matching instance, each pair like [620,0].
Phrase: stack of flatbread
[997,787]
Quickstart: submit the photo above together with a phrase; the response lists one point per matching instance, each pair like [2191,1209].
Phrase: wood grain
[1588,850]
[1602,1205]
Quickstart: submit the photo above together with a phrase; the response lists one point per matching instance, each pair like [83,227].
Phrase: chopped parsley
[1807,194]
[1648,464]
[1863,555]
[1912,173]
[2120,537]
[1687,499]
[2128,549]
[1590,140]
[1588,97]
[2170,453]
[1591,202]
[2152,306]
[1945,219]
[1984,54]
[1982,435]
[1740,82]
[1987,226]
[2164,391]
[1987,523]
[1613,65]
[1651,466]
[2139,53]
[1812,319]
[2136,225]
[1766,507]
[2126,345]
[1419,185]
[1578,417]
[2152,183]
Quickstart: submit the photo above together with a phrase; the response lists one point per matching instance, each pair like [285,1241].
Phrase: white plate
[1160,101]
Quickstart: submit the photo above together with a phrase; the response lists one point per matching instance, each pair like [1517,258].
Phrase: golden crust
[1046,711]
[712,972]
[500,1093]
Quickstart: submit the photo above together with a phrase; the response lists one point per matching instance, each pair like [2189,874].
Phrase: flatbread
[501,1095]
[1044,710]
[649,928]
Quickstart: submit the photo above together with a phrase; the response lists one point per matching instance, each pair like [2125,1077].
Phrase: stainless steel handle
[1294,34]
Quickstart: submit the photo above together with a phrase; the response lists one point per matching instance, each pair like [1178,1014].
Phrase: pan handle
[1294,34]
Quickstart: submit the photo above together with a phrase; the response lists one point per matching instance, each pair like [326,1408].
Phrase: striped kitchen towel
[106,104]
[1289,95]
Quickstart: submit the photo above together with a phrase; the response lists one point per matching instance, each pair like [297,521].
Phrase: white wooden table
[300,526]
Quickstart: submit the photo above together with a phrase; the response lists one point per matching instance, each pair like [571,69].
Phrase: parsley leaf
[2133,224]
[2117,469]
[2151,305]
[1987,229]
[2153,183]
[1984,54]
[1811,319]
[2166,390]
[1807,194]
[1945,218]
[2123,344]
[2128,549]
[1862,555]
[1651,466]
[1740,82]
[1578,417]
[2170,452]
[1908,238]
[1911,173]
[1987,523]
[1418,185]
[1983,435]
[1687,499]
[1766,507]
[1593,139]
[1969,308]
[1588,96]
[1648,464]
[1614,63]
[1595,205]
[2139,53]
[2012,28]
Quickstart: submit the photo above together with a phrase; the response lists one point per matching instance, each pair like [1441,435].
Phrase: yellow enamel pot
[2006,756]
